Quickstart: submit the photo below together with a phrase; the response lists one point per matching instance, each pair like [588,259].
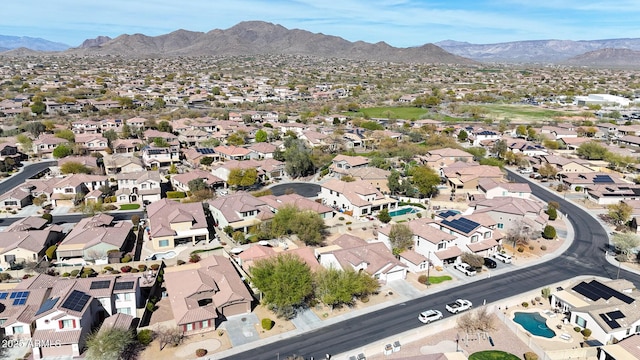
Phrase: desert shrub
[553,213]
[586,333]
[578,188]
[194,258]
[88,270]
[155,267]
[115,272]
[341,218]
[145,337]
[108,268]
[181,262]
[349,223]
[422,279]
[525,304]
[142,267]
[530,356]
[51,251]
[150,306]
[531,247]
[201,352]
[576,328]
[66,274]
[126,269]
[176,194]
[134,270]
[267,324]
[126,258]
[75,273]
[419,215]
[238,236]
[543,247]
[48,217]
[364,299]
[520,249]
[549,232]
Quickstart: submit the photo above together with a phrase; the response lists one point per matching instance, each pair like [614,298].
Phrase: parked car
[458,306]
[503,257]
[465,269]
[429,316]
[490,263]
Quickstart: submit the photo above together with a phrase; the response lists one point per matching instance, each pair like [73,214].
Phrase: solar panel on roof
[611,292]
[48,305]
[19,297]
[461,224]
[125,285]
[76,301]
[596,291]
[585,290]
[3,295]
[616,314]
[612,323]
[103,284]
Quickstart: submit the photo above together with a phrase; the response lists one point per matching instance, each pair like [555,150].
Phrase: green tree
[620,213]
[475,261]
[125,132]
[500,148]
[335,287]
[165,126]
[237,138]
[160,142]
[297,157]
[261,136]
[625,243]
[242,177]
[401,238]
[393,182]
[25,141]
[425,179]
[197,185]
[521,131]
[384,216]
[159,103]
[38,107]
[531,133]
[549,232]
[309,227]
[206,161]
[592,151]
[548,171]
[62,151]
[285,282]
[463,136]
[34,127]
[552,212]
[110,135]
[73,167]
[108,344]
[66,134]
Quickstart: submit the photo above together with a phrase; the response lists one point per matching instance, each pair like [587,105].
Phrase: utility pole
[428,267]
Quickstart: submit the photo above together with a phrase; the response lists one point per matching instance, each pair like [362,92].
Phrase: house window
[10,203]
[637,329]
[124,297]
[68,191]
[581,322]
[143,186]
[66,324]
[474,238]
[500,226]
[189,327]
[205,324]
[9,258]
[125,310]
[487,234]
[442,245]
[163,243]
[18,330]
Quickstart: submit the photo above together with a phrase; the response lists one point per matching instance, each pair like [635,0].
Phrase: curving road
[585,256]
[28,171]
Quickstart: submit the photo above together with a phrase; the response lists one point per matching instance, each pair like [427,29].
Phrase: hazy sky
[400,23]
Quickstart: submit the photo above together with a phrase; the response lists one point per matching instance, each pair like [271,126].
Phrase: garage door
[58,352]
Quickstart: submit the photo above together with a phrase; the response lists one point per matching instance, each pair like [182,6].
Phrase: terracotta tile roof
[66,337]
[232,205]
[449,253]
[413,257]
[164,212]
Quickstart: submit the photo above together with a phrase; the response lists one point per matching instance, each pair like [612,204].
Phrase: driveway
[241,329]
[303,189]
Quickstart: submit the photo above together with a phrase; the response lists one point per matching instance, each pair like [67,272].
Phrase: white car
[503,257]
[429,316]
[465,269]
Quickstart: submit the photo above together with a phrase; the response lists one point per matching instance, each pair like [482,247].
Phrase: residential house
[20,244]
[512,213]
[628,348]
[266,168]
[607,308]
[241,211]
[92,238]
[481,137]
[156,157]
[118,163]
[629,140]
[193,137]
[300,202]
[16,198]
[136,122]
[140,186]
[612,194]
[374,258]
[126,146]
[92,143]
[193,156]
[528,148]
[16,311]
[468,177]
[262,150]
[564,165]
[492,188]
[46,143]
[357,198]
[229,152]
[172,223]
[379,178]
[214,293]
[70,190]
[180,182]
[341,164]
[584,180]
[439,159]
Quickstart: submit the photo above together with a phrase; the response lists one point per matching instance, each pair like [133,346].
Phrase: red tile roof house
[119,163]
[240,211]
[20,246]
[126,146]
[139,186]
[262,150]
[213,293]
[301,202]
[341,164]
[16,199]
[267,168]
[509,212]
[92,143]
[469,176]
[374,258]
[257,252]
[492,189]
[573,180]
[172,223]
[232,152]
[92,238]
[357,198]
[46,143]
[17,308]
[181,181]
[88,161]
[70,190]
[73,307]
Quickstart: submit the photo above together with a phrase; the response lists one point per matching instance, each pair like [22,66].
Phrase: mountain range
[257,37]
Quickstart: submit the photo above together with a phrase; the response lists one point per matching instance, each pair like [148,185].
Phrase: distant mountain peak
[37,44]
[94,42]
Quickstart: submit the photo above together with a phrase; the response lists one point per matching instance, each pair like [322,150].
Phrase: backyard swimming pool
[163,255]
[404,211]
[534,323]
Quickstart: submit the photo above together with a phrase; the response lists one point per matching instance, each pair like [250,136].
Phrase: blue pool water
[534,323]
[403,211]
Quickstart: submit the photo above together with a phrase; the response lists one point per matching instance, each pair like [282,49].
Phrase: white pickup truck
[465,269]
[459,306]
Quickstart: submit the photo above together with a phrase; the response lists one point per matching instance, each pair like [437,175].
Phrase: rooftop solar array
[76,301]
[125,285]
[603,179]
[205,151]
[596,291]
[611,318]
[461,224]
[3,295]
[448,213]
[19,297]
[102,284]
[48,305]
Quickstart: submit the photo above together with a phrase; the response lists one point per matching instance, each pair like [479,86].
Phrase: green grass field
[391,112]
[439,279]
[525,113]
[493,355]
[130,207]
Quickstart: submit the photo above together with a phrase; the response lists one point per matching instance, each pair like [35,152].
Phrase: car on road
[490,263]
[429,316]
[459,305]
[503,257]
[465,269]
